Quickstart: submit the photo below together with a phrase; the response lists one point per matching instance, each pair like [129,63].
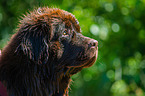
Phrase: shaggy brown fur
[45,52]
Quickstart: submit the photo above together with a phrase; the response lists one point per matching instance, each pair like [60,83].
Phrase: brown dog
[45,52]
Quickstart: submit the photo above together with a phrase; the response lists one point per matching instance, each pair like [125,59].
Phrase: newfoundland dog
[46,51]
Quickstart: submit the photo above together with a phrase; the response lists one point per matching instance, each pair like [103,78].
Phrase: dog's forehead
[48,15]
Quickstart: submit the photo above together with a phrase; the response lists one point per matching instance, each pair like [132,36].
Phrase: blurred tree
[118,25]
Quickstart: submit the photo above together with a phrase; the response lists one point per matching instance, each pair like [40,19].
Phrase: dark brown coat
[45,52]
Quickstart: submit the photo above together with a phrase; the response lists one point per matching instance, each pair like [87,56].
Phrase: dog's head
[47,49]
[53,36]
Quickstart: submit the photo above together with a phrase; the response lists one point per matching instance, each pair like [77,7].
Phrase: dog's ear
[35,41]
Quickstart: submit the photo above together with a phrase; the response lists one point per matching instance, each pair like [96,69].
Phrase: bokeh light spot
[115,27]
[103,32]
[119,88]
[109,7]
[110,74]
[124,11]
[94,29]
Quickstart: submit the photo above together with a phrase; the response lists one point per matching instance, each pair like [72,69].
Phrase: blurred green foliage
[119,27]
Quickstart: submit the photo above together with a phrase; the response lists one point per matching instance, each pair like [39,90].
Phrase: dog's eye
[65,32]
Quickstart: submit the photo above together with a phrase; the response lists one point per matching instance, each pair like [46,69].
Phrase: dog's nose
[93,43]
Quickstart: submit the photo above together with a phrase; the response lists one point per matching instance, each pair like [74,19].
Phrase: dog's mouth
[93,53]
[73,69]
[92,60]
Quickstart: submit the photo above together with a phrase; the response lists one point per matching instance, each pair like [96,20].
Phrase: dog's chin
[93,58]
[73,69]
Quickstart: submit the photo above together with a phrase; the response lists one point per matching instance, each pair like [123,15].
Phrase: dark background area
[119,27]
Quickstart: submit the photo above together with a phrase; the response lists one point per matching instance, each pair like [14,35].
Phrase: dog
[47,49]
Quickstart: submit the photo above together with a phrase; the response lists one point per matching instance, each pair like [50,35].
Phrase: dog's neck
[30,79]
